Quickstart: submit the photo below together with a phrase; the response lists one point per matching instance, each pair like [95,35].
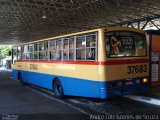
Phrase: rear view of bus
[125,67]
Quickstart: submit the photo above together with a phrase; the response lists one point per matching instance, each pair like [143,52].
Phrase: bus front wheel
[58,89]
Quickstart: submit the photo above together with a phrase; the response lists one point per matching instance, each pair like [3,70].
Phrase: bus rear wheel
[20,79]
[58,89]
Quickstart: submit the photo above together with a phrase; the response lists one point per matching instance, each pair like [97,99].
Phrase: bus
[99,63]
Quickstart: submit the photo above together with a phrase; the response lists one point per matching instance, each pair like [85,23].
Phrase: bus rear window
[125,44]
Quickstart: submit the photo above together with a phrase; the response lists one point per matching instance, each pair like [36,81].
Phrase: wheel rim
[58,89]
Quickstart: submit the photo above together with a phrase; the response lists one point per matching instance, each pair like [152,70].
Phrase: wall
[153,39]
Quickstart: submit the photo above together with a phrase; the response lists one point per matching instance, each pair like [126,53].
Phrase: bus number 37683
[136,69]
[33,66]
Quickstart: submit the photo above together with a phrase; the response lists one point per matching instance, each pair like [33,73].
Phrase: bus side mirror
[9,53]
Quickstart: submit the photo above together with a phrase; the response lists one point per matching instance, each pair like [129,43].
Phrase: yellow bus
[99,63]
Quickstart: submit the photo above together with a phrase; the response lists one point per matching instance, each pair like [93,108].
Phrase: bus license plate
[128,83]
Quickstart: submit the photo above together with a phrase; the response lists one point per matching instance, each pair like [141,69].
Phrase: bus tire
[20,79]
[58,89]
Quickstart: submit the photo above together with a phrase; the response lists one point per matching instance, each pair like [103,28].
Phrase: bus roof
[107,29]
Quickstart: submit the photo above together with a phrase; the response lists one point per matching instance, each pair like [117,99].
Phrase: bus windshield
[125,44]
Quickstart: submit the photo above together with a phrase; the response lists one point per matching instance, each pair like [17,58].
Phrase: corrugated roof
[28,20]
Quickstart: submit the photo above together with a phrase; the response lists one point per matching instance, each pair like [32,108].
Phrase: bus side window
[80,47]
[19,52]
[90,47]
[65,49]
[52,49]
[71,48]
[31,50]
[90,54]
[58,49]
[46,50]
[14,57]
[43,51]
[26,54]
[36,51]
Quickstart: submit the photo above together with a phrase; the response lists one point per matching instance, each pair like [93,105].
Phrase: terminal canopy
[28,20]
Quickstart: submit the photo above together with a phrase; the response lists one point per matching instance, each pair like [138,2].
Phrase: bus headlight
[145,80]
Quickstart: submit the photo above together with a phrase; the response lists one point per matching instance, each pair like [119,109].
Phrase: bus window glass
[35,47]
[26,48]
[22,52]
[91,40]
[71,54]
[90,47]
[52,48]
[125,44]
[19,49]
[14,51]
[31,56]
[71,43]
[53,55]
[52,45]
[36,51]
[42,56]
[46,46]
[31,48]
[35,55]
[41,46]
[80,54]
[26,54]
[65,55]
[58,55]
[90,53]
[80,42]
[65,44]
[58,44]
[43,51]
[65,49]
[19,53]
[58,49]
[71,48]
[80,47]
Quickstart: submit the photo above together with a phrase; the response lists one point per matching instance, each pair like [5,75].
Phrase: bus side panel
[39,79]
[81,87]
[80,80]
[15,74]
[72,86]
[77,80]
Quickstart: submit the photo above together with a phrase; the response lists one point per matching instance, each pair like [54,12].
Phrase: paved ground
[30,103]
[27,104]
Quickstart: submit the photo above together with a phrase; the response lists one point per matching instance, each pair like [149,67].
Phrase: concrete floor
[32,103]
[28,104]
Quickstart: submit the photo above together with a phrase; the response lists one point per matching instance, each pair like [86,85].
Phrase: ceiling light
[44,16]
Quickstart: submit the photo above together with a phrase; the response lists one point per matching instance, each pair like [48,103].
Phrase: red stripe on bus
[108,62]
[61,62]
[119,62]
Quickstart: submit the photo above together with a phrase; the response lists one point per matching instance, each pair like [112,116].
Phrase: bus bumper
[124,89]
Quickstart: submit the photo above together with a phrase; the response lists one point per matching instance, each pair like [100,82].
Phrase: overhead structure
[151,23]
[28,20]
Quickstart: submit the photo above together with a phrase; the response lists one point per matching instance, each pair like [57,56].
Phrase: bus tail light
[114,84]
[145,80]
[110,85]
